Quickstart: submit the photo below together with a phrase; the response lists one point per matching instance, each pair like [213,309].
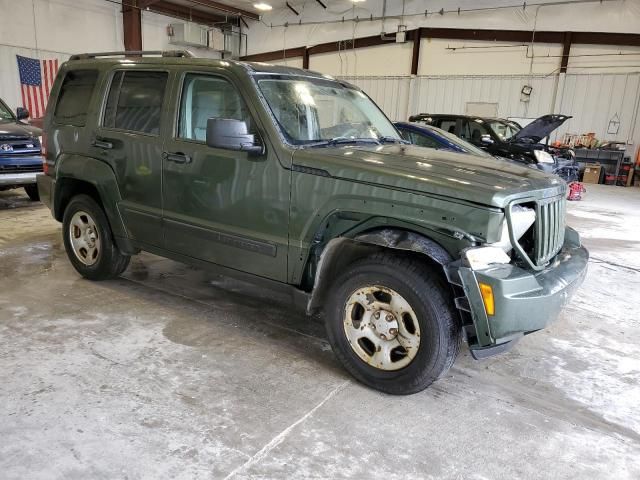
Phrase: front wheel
[88,240]
[392,324]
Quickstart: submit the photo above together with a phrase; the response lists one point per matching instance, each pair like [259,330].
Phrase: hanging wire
[458,11]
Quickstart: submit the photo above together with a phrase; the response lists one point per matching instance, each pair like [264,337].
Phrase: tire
[429,327]
[89,242]
[32,191]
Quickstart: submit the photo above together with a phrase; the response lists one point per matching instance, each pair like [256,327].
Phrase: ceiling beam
[185,13]
[145,3]
[202,5]
[276,55]
[228,9]
[515,36]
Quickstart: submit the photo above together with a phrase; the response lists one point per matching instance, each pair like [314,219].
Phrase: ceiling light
[262,6]
[358,1]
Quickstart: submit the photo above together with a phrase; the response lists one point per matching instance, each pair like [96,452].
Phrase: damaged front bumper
[523,300]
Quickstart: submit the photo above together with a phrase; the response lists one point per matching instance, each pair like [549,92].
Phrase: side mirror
[486,139]
[231,134]
[22,113]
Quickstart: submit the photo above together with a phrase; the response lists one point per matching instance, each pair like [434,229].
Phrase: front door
[129,138]
[223,206]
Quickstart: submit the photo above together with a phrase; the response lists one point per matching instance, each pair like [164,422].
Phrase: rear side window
[135,101]
[424,141]
[74,97]
[447,125]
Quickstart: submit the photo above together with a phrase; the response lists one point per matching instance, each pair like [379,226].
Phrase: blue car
[20,158]
[432,137]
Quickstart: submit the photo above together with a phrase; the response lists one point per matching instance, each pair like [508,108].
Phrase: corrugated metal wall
[592,99]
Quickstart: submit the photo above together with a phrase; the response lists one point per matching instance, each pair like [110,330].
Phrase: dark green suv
[299,182]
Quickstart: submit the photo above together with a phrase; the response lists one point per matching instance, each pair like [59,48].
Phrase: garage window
[135,101]
[74,97]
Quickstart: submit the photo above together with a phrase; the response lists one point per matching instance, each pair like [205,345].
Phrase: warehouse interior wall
[601,80]
[601,84]
[622,16]
[48,29]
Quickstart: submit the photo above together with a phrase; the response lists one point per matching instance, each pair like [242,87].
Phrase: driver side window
[205,97]
[473,131]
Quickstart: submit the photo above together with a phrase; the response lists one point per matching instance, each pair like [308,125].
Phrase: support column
[132,25]
[566,51]
[415,57]
[305,58]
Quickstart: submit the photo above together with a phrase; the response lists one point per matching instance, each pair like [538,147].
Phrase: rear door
[129,136]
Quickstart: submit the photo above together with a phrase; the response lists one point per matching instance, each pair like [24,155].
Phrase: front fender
[406,240]
[342,251]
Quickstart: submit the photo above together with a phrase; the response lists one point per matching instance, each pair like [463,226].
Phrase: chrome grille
[549,228]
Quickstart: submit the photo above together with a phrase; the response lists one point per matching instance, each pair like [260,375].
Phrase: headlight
[40,139]
[542,156]
[482,257]
[521,220]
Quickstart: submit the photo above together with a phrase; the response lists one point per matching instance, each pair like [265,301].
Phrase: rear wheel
[88,240]
[32,191]
[392,324]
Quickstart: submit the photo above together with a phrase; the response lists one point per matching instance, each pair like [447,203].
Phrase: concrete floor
[169,372]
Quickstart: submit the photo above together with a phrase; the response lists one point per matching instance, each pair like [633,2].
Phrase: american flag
[36,79]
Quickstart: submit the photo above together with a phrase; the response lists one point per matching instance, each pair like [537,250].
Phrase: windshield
[315,111]
[504,130]
[466,146]
[5,113]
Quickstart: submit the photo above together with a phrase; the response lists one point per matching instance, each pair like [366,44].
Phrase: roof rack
[136,53]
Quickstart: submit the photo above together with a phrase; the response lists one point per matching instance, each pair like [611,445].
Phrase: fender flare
[341,251]
[100,175]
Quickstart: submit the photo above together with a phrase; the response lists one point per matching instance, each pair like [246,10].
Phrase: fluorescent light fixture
[265,7]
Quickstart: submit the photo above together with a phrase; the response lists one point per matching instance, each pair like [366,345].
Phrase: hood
[481,180]
[540,128]
[10,129]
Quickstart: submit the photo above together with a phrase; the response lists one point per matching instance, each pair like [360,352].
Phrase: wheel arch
[76,175]
[341,251]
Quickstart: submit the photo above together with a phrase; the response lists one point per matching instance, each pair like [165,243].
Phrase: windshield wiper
[342,141]
[388,139]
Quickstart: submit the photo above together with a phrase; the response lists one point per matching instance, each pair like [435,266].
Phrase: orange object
[487,297]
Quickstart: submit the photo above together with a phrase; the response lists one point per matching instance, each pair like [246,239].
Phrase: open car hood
[540,128]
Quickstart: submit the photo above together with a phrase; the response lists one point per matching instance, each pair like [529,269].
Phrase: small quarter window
[74,97]
[135,101]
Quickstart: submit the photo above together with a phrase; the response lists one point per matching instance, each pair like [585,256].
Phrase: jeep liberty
[298,181]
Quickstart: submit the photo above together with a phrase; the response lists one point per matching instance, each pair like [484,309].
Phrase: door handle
[178,157]
[102,144]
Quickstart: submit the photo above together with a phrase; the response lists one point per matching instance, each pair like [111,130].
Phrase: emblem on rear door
[5,147]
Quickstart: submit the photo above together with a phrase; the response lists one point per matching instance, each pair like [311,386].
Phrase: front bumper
[525,301]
